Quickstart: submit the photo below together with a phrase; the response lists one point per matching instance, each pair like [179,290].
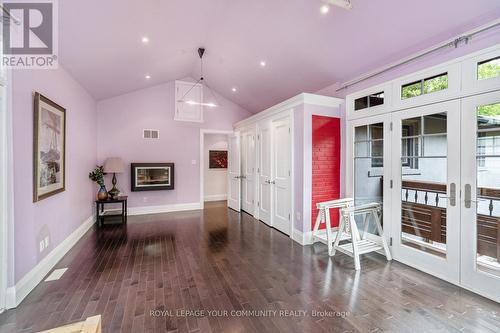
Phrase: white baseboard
[215,197]
[298,236]
[17,293]
[163,209]
[303,238]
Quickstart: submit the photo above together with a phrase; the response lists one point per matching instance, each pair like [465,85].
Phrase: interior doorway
[213,165]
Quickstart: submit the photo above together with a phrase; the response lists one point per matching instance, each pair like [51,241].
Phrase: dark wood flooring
[217,259]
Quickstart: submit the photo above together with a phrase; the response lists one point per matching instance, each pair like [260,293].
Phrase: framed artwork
[217,159]
[152,176]
[49,148]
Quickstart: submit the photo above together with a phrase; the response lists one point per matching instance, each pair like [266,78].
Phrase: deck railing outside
[424,214]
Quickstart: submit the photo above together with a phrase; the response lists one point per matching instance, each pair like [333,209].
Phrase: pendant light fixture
[204,84]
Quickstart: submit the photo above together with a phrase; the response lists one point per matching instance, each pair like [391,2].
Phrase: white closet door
[281,171]
[264,171]
[234,167]
[247,171]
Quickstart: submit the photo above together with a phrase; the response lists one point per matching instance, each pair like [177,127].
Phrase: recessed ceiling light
[148,77]
[325,9]
[234,90]
[145,40]
[263,63]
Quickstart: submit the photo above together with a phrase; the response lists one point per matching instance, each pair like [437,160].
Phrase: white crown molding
[16,294]
[303,98]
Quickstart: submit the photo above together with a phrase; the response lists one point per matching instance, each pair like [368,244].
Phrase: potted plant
[98,176]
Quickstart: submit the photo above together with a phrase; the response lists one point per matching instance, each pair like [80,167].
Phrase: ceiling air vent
[151,134]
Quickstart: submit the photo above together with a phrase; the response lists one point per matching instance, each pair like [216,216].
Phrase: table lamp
[113,165]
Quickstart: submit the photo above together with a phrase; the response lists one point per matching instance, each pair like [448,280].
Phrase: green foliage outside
[491,110]
[429,86]
[488,70]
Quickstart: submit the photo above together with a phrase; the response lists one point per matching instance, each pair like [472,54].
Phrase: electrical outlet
[193,162]
[145,199]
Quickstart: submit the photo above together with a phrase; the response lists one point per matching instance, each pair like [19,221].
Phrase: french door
[371,170]
[480,168]
[426,176]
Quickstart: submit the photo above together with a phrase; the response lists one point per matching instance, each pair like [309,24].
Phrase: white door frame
[202,160]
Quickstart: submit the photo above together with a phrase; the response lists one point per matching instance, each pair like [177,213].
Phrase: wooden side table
[101,215]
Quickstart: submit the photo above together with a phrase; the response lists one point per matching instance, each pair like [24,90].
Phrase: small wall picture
[152,176]
[49,144]
[217,159]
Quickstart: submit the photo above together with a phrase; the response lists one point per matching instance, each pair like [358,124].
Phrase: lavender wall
[120,124]
[57,216]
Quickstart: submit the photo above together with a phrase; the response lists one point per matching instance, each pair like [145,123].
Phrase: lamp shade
[113,165]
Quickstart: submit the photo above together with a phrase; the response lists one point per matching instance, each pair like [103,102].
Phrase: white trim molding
[144,210]
[215,197]
[17,293]
[304,98]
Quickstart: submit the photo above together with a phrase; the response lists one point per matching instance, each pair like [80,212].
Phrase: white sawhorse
[329,237]
[365,243]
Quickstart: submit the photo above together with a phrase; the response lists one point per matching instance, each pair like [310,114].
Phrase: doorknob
[272,182]
[268,182]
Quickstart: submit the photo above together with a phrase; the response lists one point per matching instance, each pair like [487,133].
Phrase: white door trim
[202,160]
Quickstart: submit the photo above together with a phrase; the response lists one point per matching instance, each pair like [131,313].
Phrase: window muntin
[425,86]
[488,69]
[369,101]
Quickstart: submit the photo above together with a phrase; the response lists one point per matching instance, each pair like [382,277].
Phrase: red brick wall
[325,164]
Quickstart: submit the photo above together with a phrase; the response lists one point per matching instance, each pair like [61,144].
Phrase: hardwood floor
[141,276]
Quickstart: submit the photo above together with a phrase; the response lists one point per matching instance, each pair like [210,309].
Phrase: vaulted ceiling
[304,50]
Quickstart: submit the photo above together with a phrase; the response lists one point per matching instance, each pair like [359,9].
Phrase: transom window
[369,101]
[425,86]
[488,69]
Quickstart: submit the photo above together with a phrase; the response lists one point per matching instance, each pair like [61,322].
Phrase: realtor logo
[30,34]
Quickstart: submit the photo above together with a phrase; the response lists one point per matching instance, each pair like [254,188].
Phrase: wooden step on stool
[330,234]
[366,242]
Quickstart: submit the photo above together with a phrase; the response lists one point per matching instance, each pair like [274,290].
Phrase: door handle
[453,195]
[468,197]
[268,182]
[272,182]
[237,177]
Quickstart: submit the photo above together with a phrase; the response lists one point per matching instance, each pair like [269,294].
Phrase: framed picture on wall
[49,148]
[152,176]
[217,159]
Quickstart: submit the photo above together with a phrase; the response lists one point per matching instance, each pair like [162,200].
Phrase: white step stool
[330,234]
[365,243]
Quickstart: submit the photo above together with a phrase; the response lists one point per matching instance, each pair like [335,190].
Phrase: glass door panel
[481,204]
[423,166]
[426,179]
[370,173]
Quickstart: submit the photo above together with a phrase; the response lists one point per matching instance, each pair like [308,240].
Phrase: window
[488,140]
[488,69]
[425,86]
[369,101]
